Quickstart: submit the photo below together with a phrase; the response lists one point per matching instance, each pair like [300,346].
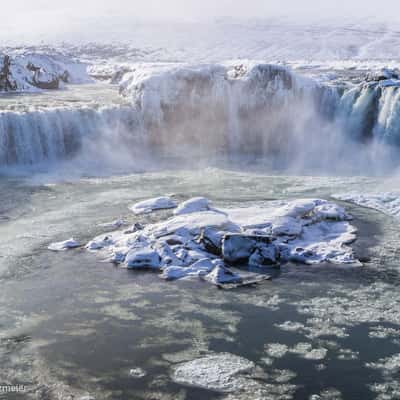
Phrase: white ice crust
[193,205]
[158,203]
[207,244]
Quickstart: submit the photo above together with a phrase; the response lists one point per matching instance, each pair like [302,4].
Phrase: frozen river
[74,326]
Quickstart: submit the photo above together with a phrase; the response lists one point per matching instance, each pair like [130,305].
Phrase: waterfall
[50,135]
[251,110]
[371,112]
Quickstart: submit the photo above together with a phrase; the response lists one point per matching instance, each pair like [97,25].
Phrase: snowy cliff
[24,71]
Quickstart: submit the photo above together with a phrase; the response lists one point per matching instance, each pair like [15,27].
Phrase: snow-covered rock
[143,258]
[198,269]
[100,242]
[221,275]
[266,255]
[148,206]
[384,74]
[35,71]
[64,245]
[189,225]
[206,244]
[237,248]
[196,204]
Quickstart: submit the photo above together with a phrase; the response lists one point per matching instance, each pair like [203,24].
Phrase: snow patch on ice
[148,206]
[304,350]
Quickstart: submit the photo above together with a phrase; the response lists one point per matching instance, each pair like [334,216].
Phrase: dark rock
[5,73]
[237,248]
[383,74]
[174,240]
[46,84]
[143,258]
[65,77]
[211,240]
[266,255]
[137,226]
[32,67]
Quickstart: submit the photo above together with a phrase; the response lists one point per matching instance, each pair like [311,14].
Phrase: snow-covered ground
[270,39]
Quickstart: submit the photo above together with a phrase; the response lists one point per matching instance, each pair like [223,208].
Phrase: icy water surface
[88,95]
[71,326]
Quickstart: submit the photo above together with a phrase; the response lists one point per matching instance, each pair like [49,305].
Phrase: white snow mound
[148,206]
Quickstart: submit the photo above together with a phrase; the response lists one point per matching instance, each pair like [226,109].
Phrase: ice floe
[137,373]
[230,246]
[215,372]
[64,245]
[304,350]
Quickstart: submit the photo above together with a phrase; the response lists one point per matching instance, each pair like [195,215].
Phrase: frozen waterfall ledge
[221,246]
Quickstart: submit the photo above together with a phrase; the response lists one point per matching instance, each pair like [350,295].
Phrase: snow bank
[208,244]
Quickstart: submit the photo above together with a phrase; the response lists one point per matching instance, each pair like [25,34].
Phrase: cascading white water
[54,134]
[238,109]
[231,110]
[371,112]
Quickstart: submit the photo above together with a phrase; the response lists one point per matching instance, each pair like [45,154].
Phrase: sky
[33,20]
[172,9]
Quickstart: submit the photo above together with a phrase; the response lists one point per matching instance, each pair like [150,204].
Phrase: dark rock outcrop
[6,84]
